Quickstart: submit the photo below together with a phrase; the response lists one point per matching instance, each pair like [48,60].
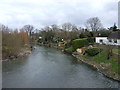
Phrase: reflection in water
[47,67]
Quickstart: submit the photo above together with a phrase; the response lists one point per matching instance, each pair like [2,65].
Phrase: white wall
[118,41]
[105,40]
[112,43]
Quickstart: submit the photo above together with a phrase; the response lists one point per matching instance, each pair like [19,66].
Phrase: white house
[112,39]
[101,40]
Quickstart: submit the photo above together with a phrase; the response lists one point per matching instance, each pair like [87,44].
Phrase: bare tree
[74,28]
[93,24]
[55,27]
[3,27]
[29,29]
[109,52]
[74,33]
[67,26]
[47,34]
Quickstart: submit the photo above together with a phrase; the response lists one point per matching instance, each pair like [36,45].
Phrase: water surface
[50,68]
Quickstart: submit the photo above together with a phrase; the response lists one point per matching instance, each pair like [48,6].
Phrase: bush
[69,44]
[93,51]
[79,43]
[69,50]
[104,33]
[82,35]
[91,39]
[13,42]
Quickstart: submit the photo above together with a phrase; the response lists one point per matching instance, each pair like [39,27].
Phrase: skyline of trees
[15,39]
[91,24]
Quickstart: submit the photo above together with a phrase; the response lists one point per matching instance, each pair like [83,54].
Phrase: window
[115,41]
[110,40]
[101,40]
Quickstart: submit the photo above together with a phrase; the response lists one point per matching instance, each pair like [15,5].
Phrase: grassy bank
[110,67]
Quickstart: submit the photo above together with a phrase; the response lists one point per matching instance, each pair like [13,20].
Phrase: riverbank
[23,52]
[109,68]
[104,66]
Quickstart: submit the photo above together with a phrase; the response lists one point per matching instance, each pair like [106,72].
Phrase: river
[51,68]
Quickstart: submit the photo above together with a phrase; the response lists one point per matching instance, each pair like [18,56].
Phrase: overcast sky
[40,13]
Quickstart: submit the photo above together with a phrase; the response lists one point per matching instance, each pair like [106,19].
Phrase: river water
[51,68]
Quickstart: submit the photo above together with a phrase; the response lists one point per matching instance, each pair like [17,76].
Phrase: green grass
[102,58]
[116,50]
[70,49]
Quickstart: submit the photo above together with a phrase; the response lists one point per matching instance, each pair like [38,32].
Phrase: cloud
[16,13]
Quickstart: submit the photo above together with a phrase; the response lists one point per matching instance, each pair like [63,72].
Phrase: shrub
[91,39]
[13,42]
[82,35]
[93,51]
[70,49]
[69,44]
[79,43]
[104,33]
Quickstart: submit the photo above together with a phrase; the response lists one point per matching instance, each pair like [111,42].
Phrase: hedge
[79,43]
[91,39]
[82,35]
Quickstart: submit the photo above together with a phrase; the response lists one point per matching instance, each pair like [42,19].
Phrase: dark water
[50,68]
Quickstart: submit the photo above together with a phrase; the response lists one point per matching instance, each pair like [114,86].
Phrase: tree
[93,24]
[114,28]
[24,37]
[104,33]
[55,27]
[91,34]
[12,41]
[82,35]
[3,27]
[74,28]
[29,29]
[47,34]
[67,26]
[69,30]
[74,34]
[109,52]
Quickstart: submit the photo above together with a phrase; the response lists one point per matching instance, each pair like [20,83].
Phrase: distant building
[112,39]
[119,14]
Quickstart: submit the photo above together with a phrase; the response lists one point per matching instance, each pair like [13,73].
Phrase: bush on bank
[68,45]
[93,51]
[91,39]
[79,43]
[13,42]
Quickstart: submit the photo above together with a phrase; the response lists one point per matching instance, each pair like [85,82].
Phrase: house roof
[115,35]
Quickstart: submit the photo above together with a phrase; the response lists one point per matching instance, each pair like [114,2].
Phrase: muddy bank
[23,52]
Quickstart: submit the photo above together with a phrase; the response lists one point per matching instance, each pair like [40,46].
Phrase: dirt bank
[23,52]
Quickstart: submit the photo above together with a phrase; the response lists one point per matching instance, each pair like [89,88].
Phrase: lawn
[102,58]
[116,50]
